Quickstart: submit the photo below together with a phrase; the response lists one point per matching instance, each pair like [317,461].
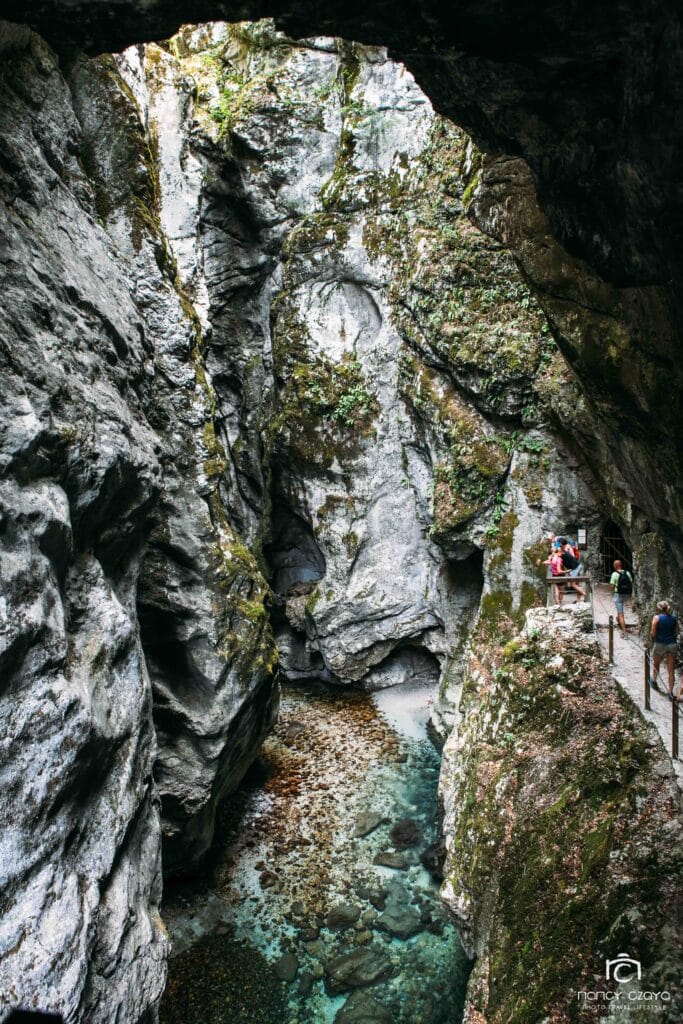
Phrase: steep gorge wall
[269,375]
[119,562]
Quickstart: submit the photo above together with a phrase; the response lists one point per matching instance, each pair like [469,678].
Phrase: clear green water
[287,853]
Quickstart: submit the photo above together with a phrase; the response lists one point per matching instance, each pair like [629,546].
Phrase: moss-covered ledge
[563,830]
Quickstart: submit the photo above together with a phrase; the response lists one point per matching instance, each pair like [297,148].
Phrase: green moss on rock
[557,793]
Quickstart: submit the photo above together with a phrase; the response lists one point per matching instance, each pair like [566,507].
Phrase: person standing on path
[573,566]
[622,586]
[664,632]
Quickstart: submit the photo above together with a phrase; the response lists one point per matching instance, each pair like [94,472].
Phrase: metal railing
[647,688]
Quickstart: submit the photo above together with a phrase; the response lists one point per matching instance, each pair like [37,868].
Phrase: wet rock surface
[361,1008]
[358,969]
[314,790]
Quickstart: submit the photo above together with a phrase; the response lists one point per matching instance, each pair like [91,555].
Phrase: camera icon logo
[622,969]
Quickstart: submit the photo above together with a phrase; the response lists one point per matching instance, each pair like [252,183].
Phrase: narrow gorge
[297,378]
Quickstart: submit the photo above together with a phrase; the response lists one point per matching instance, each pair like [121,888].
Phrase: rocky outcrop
[623,351]
[377,443]
[563,828]
[81,933]
[119,561]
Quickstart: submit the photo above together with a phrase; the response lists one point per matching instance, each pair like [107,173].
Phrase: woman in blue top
[664,632]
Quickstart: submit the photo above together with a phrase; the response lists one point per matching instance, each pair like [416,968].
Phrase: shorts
[619,602]
[665,650]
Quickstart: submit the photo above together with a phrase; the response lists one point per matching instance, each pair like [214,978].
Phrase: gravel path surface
[629,670]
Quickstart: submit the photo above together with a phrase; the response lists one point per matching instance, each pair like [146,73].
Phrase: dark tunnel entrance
[613,546]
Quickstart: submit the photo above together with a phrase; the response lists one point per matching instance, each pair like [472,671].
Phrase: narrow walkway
[628,670]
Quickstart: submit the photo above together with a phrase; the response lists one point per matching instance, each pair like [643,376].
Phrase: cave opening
[292,552]
[612,546]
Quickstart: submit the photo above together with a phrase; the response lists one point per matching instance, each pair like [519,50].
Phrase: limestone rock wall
[386,394]
[622,351]
[81,933]
[122,574]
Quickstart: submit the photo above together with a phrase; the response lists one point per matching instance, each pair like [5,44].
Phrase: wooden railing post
[610,641]
[646,681]
[674,729]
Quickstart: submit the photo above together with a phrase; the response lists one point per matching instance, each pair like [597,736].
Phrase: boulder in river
[286,967]
[388,859]
[362,967]
[367,822]
[361,1008]
[406,833]
[343,916]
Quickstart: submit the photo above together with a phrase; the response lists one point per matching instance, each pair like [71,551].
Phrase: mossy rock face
[475,456]
[555,862]
[324,410]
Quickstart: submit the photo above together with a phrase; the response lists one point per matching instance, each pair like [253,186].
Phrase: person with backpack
[557,571]
[572,563]
[622,586]
[664,633]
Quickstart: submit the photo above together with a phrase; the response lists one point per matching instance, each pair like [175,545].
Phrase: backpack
[624,584]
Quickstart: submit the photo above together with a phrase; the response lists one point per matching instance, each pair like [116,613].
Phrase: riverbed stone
[362,1008]
[286,967]
[367,822]
[306,982]
[391,859]
[406,833]
[343,916]
[357,969]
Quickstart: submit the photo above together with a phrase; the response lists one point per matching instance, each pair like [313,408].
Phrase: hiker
[664,633]
[558,570]
[571,563]
[621,582]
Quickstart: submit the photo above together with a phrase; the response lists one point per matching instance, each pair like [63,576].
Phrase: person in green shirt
[622,587]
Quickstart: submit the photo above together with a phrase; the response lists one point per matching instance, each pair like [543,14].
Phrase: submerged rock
[401,916]
[361,1008]
[390,859]
[406,833]
[362,967]
[343,916]
[286,967]
[367,822]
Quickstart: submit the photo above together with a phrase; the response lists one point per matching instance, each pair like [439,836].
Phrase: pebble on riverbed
[219,980]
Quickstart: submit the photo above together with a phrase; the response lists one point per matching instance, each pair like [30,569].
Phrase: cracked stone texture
[370,419]
[111,524]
